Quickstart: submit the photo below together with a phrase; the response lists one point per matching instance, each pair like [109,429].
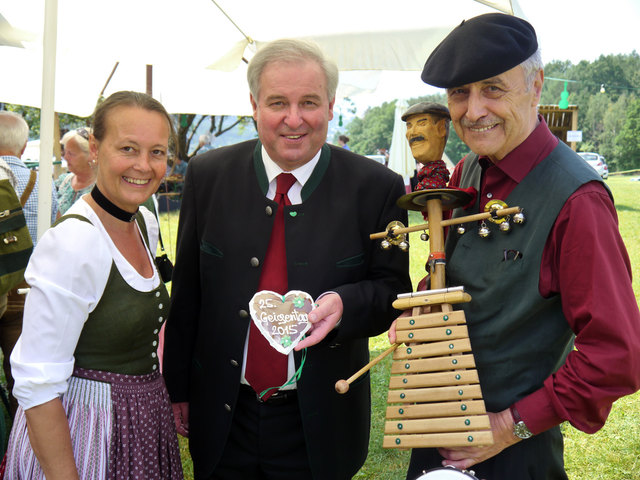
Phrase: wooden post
[436,241]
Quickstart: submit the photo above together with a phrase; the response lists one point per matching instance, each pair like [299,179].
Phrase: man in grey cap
[427,133]
[427,130]
[561,279]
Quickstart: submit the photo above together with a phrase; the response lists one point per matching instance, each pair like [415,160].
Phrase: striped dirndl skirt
[121,428]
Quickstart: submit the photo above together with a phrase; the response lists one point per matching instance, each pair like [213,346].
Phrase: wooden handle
[342,386]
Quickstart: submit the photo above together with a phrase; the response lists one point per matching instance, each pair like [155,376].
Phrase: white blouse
[67,272]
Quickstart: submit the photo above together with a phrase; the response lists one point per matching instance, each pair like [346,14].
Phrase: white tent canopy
[181,39]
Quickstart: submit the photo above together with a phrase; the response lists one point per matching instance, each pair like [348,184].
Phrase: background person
[561,279]
[6,174]
[92,401]
[14,134]
[82,168]
[225,255]
[343,140]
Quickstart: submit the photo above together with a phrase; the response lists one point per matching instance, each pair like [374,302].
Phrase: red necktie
[266,367]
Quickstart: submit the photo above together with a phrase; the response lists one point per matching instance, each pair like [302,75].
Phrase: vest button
[268,210]
[243,314]
[234,363]
[227,407]
[489,195]
[255,262]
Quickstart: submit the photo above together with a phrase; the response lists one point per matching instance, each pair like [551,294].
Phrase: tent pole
[47,115]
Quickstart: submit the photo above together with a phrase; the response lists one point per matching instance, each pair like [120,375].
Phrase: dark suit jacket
[225,225]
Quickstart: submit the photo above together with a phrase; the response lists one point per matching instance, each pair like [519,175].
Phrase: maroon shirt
[585,261]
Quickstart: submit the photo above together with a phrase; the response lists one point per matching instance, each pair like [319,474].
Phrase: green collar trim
[314,179]
[317,174]
[258,164]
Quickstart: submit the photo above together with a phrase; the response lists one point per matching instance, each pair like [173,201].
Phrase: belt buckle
[274,397]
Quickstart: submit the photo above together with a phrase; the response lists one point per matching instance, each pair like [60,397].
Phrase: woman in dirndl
[93,404]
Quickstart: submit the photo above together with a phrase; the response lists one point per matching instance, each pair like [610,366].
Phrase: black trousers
[266,441]
[537,458]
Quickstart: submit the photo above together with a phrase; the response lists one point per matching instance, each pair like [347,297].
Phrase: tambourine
[447,473]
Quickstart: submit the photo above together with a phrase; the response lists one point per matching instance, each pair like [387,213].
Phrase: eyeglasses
[84,133]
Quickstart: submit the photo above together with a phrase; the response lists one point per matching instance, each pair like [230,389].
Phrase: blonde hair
[81,141]
[291,51]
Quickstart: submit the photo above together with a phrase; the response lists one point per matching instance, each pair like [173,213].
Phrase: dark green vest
[121,333]
[518,338]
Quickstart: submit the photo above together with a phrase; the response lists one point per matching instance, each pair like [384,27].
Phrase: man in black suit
[304,430]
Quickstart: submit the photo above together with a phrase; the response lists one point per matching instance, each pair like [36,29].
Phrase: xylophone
[435,398]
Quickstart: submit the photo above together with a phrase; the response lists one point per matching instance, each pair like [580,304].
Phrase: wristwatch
[520,429]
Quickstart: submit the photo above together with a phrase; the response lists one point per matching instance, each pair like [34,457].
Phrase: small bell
[424,236]
[404,246]
[385,244]
[483,231]
[518,218]
[505,226]
[461,230]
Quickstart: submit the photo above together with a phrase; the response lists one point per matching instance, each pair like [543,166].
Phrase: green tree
[32,117]
[613,123]
[373,131]
[187,127]
[628,140]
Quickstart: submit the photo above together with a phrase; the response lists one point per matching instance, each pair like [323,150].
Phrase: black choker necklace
[110,207]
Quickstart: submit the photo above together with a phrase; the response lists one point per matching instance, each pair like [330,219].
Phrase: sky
[572,30]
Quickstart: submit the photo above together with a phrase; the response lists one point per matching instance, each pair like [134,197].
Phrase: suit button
[234,363]
[255,262]
[227,407]
[268,210]
[243,314]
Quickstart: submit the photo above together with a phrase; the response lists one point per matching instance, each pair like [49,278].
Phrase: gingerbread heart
[282,319]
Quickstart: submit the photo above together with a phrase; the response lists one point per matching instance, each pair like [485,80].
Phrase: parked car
[597,162]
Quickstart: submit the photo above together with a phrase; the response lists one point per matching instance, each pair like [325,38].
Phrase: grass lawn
[611,454]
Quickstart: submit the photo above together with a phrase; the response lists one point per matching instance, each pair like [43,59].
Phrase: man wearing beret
[553,322]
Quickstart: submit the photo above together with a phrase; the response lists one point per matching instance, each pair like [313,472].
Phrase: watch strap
[515,414]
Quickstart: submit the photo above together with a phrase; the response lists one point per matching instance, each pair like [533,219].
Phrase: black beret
[426,107]
[480,48]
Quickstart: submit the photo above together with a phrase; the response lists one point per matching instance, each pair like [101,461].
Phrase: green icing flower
[298,302]
[285,341]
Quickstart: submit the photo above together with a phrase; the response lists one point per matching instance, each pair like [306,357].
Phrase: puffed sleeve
[67,272]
